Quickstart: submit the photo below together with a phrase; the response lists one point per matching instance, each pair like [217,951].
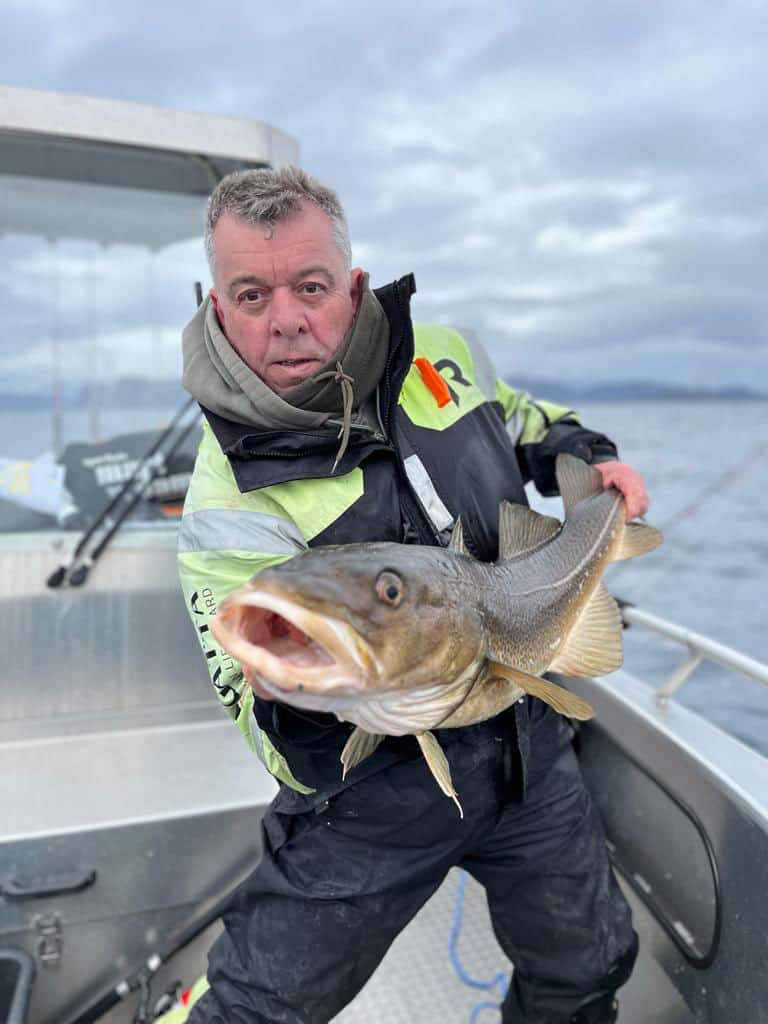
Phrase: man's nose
[287,317]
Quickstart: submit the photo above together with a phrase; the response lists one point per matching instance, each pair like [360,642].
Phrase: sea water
[706,468]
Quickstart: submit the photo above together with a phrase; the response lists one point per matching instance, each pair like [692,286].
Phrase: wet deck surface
[416,983]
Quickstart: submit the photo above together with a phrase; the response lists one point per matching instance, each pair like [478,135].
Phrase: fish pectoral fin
[438,765]
[593,646]
[637,539]
[361,744]
[576,480]
[489,696]
[521,530]
[562,700]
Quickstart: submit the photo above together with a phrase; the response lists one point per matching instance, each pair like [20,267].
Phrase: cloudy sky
[584,183]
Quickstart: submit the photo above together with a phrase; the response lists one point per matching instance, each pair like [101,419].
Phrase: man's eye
[252,295]
[312,287]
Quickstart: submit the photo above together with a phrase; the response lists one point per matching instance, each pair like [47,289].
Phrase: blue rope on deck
[499,982]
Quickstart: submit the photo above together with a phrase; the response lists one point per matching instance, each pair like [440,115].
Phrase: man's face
[283,296]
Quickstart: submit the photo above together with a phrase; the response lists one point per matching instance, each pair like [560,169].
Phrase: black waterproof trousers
[337,884]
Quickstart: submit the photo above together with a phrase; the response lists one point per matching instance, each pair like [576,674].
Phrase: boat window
[97,283]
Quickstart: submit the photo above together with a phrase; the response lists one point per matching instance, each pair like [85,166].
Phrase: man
[320,428]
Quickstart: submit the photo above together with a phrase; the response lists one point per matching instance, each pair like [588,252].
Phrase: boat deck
[416,983]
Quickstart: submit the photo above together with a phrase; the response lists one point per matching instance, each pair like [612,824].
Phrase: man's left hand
[629,482]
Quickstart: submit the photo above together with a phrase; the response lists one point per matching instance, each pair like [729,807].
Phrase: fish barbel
[401,639]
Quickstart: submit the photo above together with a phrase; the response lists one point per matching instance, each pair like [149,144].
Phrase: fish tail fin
[637,539]
[576,480]
[438,765]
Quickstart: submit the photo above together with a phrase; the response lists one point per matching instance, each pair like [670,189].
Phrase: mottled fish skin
[457,611]
[426,654]
[532,603]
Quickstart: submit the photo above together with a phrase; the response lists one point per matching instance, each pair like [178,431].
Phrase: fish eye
[389,588]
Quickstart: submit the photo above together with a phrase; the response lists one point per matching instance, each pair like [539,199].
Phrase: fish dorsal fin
[576,480]
[521,530]
[637,539]
[361,744]
[438,765]
[457,539]
[593,646]
[562,700]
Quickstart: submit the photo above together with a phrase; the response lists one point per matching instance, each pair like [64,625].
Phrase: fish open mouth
[290,649]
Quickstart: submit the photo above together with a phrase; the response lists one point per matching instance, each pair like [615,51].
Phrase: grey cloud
[462,136]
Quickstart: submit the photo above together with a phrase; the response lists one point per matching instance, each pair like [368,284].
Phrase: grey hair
[265,197]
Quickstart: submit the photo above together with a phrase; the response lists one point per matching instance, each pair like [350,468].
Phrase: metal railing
[700,648]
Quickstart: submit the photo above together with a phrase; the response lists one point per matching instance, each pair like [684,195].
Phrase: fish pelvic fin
[562,700]
[576,480]
[637,539]
[361,744]
[438,765]
[593,646]
[521,530]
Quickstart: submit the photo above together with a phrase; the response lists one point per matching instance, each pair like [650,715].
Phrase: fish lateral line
[585,563]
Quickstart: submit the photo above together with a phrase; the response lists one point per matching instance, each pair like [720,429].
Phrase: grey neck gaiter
[362,356]
[218,378]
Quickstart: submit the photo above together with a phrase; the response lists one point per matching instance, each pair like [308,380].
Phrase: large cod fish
[403,639]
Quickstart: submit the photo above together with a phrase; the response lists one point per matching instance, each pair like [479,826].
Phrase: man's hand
[629,482]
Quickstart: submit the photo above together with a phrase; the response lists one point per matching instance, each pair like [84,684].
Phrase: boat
[130,806]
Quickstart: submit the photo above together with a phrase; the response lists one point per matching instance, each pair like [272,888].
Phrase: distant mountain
[133,392]
[123,392]
[572,392]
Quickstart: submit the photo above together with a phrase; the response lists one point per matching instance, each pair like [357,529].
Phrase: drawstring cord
[348,397]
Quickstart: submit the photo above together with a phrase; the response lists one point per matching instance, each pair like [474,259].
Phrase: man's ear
[216,306]
[356,280]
